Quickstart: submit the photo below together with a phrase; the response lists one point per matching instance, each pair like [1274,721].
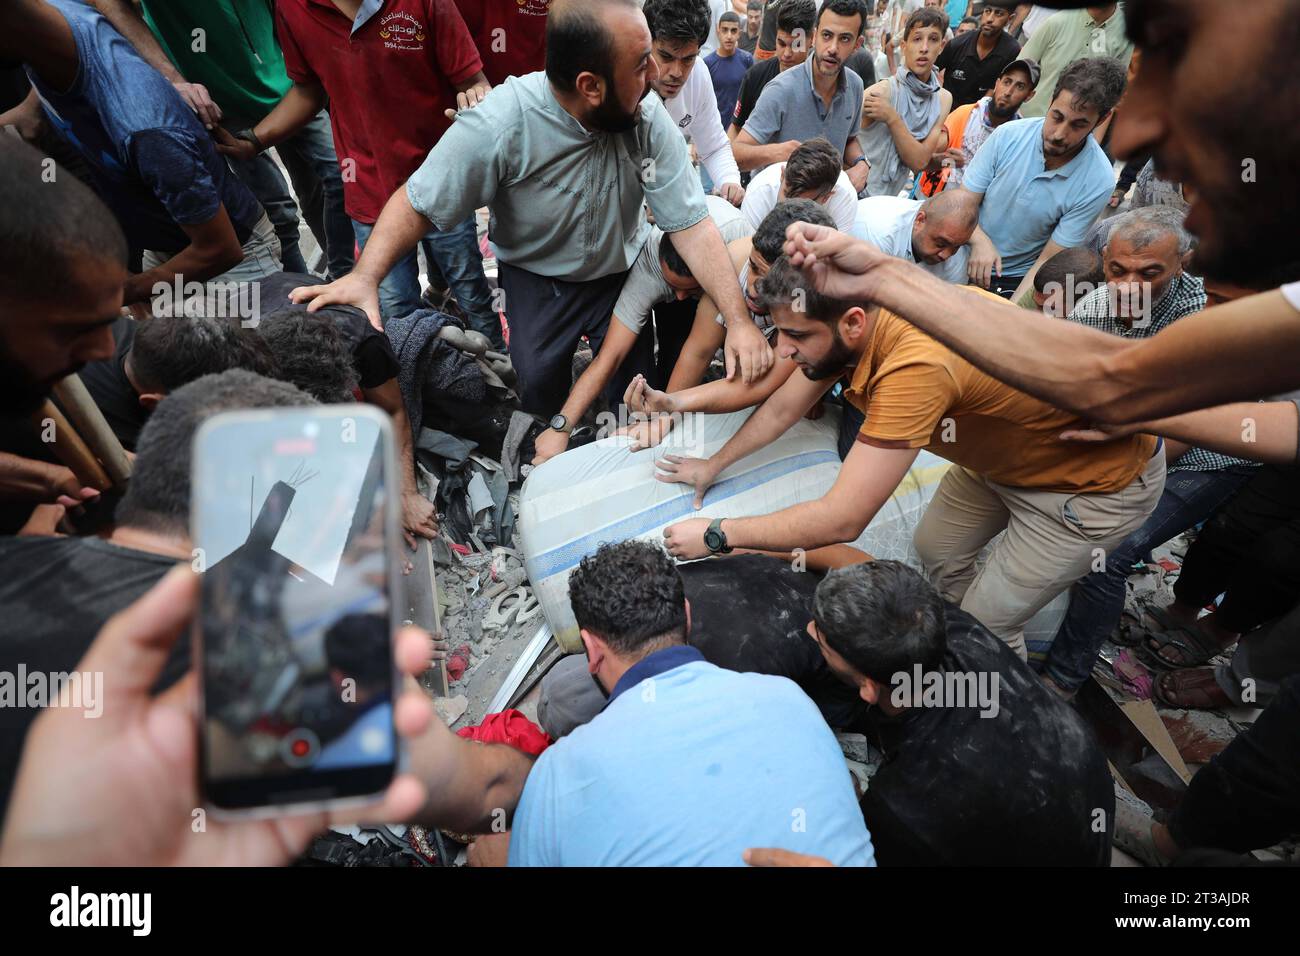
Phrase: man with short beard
[566,161]
[1056,503]
[970,126]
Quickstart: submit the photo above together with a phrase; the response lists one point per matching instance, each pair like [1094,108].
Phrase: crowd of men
[906,209]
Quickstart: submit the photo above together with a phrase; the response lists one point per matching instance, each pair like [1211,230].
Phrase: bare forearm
[127,22]
[750,156]
[772,419]
[1255,431]
[389,398]
[194,263]
[24,478]
[474,787]
[808,525]
[913,153]
[295,110]
[730,395]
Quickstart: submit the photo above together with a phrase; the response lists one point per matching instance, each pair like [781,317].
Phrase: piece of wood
[1148,722]
[93,428]
[70,449]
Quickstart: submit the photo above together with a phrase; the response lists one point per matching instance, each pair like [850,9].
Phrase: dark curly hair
[169,351]
[631,596]
[311,354]
[678,20]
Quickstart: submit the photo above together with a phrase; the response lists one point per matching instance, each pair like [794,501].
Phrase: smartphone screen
[294,521]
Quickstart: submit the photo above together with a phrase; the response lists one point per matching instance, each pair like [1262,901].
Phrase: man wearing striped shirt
[1146,290]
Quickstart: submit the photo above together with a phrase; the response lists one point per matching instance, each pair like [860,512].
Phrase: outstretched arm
[1241,350]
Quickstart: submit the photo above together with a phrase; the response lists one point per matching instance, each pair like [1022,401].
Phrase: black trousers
[672,327]
[1248,797]
[1250,552]
[547,319]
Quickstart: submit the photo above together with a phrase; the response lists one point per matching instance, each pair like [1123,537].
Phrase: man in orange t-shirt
[1062,506]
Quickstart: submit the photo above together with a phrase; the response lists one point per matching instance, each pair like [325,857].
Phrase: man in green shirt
[223,58]
[1066,36]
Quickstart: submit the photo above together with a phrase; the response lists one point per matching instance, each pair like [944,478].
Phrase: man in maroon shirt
[510,35]
[390,70]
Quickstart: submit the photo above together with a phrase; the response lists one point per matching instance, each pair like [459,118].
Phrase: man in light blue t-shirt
[688,764]
[1042,182]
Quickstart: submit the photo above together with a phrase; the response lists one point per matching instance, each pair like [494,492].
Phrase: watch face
[559,423]
[712,540]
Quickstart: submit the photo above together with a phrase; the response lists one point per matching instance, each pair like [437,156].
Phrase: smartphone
[294,516]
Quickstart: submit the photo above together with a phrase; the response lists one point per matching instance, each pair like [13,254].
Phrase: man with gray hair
[1146,285]
[1146,290]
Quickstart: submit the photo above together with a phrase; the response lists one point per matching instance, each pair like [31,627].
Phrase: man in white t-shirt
[814,172]
[678,29]
[934,234]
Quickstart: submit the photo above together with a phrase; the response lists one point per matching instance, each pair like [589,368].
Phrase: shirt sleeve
[457,55]
[295,64]
[748,96]
[980,172]
[447,188]
[766,117]
[711,140]
[375,361]
[1033,50]
[673,189]
[177,168]
[907,402]
[536,825]
[641,288]
[843,204]
[945,57]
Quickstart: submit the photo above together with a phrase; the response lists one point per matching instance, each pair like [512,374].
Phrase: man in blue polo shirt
[688,764]
[1042,182]
[820,98]
[151,160]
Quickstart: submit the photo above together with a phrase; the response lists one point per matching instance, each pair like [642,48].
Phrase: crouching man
[983,765]
[684,793]
[1062,511]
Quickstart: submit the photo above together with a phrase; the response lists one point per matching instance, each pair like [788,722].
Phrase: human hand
[640,397]
[685,539]
[196,98]
[858,175]
[469,99]
[355,289]
[700,473]
[419,518]
[733,193]
[747,352]
[550,443]
[121,789]
[228,144]
[775,857]
[984,263]
[838,265]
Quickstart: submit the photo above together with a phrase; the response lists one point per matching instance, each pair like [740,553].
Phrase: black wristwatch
[560,423]
[715,539]
[249,136]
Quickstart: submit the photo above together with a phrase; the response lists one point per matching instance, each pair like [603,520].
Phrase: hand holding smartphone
[295,525]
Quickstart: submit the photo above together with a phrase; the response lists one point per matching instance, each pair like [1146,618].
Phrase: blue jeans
[455,255]
[309,157]
[1097,601]
[313,166]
